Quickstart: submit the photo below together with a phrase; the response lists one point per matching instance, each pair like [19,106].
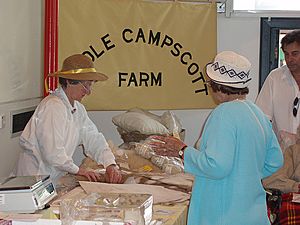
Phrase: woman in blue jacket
[238,148]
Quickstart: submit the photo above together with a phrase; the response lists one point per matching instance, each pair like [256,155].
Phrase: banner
[153,52]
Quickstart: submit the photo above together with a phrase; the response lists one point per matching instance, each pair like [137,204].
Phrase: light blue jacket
[238,148]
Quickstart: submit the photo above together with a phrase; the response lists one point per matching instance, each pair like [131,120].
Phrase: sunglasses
[296,106]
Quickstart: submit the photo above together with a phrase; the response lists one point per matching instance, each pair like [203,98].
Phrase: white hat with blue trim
[230,69]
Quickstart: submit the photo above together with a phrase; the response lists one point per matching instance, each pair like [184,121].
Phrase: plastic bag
[170,165]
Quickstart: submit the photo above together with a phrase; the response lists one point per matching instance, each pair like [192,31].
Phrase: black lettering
[202,90]
[127,30]
[192,72]
[89,54]
[199,78]
[157,81]
[106,42]
[140,35]
[154,38]
[167,41]
[98,55]
[144,77]
[132,79]
[176,48]
[121,78]
[183,55]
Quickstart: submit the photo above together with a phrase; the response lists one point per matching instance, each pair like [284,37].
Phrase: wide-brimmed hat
[79,67]
[230,69]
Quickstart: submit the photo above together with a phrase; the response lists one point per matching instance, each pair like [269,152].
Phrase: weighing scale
[25,194]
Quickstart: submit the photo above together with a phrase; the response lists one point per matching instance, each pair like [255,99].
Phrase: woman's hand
[113,174]
[166,145]
[90,175]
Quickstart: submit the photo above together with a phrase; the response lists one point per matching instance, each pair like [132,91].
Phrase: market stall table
[175,214]
[171,192]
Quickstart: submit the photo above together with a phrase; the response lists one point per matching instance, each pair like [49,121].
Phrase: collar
[60,93]
[290,78]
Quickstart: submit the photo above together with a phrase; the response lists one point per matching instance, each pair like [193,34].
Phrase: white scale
[25,194]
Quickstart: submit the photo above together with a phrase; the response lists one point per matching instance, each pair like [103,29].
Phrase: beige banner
[154,53]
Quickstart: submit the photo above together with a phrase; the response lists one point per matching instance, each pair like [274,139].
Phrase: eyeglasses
[296,106]
[87,87]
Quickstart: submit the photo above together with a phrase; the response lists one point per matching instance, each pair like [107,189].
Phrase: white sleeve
[265,98]
[95,143]
[51,137]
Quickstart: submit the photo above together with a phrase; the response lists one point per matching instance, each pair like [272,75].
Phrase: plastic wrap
[173,124]
[144,150]
[111,208]
[168,164]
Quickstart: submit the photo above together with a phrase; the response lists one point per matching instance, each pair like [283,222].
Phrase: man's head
[290,45]
[290,37]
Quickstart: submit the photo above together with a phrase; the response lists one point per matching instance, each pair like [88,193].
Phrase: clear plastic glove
[90,175]
[166,145]
[113,174]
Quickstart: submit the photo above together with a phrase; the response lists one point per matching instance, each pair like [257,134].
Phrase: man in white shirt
[279,97]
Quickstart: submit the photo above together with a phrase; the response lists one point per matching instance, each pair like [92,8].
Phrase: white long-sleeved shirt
[276,100]
[52,135]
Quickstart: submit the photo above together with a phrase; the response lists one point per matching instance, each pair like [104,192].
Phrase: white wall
[192,121]
[20,49]
[21,63]
[21,68]
[9,146]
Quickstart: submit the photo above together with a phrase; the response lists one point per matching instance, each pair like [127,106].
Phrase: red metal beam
[50,44]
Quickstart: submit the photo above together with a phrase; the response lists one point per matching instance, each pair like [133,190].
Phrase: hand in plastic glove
[166,145]
[113,174]
[90,175]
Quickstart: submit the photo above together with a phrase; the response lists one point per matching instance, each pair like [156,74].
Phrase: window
[271,32]
[281,60]
[270,5]
[19,119]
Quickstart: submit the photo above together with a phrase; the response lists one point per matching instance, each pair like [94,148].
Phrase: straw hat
[230,69]
[79,67]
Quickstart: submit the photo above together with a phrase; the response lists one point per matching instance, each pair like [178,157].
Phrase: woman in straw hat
[238,148]
[60,123]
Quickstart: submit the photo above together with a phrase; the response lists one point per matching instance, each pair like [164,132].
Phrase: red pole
[50,44]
